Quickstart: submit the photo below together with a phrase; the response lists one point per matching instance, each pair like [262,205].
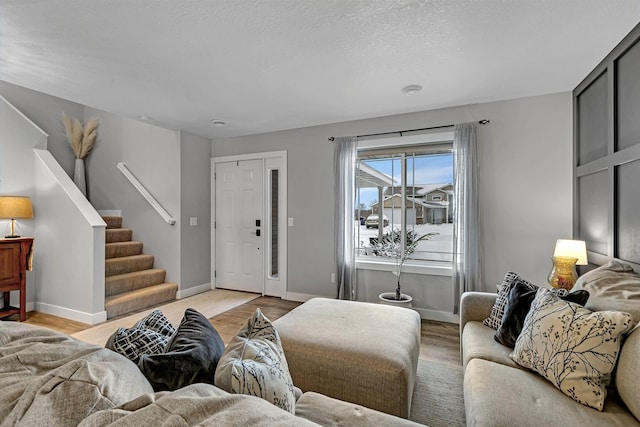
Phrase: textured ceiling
[266,65]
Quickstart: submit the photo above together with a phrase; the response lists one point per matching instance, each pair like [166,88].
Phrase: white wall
[525,190]
[46,112]
[69,246]
[19,137]
[195,188]
[152,154]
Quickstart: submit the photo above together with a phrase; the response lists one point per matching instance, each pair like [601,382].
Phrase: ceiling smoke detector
[218,123]
[411,90]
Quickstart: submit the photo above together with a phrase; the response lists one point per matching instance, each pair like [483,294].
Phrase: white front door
[239,201]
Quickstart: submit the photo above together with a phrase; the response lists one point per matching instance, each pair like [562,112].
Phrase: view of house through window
[401,195]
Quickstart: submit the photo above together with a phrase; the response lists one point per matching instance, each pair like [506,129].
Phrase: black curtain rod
[482,122]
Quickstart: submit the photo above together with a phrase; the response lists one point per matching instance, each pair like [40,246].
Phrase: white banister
[145,193]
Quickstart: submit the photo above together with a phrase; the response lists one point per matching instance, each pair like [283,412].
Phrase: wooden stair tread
[113,235]
[125,282]
[127,302]
[128,264]
[112,221]
[121,249]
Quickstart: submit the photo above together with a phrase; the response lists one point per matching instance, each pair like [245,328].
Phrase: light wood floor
[440,341]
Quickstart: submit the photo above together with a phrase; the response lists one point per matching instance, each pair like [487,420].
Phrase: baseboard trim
[298,297]
[110,212]
[68,313]
[439,316]
[194,290]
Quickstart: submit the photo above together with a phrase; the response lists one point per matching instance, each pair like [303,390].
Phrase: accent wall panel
[606,127]
[592,108]
[628,98]
[628,212]
[593,217]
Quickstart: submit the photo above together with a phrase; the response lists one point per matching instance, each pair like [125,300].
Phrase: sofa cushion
[517,308]
[195,405]
[478,343]
[330,412]
[497,311]
[529,401]
[571,346]
[254,363]
[191,355]
[612,286]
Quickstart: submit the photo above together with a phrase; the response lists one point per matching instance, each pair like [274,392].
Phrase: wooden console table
[15,260]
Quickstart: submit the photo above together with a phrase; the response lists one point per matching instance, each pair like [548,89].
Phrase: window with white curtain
[402,193]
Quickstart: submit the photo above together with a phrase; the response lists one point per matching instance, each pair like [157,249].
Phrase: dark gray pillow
[517,307]
[191,355]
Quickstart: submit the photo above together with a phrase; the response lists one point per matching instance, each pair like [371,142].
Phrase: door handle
[257,232]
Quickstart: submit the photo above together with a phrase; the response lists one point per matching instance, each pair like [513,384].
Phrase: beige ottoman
[358,352]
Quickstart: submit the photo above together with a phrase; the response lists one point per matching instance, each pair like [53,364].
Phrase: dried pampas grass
[81,139]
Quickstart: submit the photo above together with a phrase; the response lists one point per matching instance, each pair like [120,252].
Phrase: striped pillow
[497,311]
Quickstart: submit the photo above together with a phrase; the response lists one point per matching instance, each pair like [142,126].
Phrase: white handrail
[145,193]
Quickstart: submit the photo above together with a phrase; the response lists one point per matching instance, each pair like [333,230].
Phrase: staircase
[131,282]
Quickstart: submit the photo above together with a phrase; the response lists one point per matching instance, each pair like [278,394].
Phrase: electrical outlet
[333,277]
[193,221]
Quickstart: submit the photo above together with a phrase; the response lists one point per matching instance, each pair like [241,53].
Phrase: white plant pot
[388,298]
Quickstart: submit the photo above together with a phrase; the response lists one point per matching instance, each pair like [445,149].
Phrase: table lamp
[12,207]
[567,254]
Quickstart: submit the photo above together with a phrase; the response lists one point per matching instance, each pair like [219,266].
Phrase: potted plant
[391,246]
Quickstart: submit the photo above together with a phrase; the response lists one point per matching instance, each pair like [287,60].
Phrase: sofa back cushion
[628,372]
[612,286]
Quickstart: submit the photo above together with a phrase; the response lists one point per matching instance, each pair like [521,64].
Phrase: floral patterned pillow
[253,363]
[571,346]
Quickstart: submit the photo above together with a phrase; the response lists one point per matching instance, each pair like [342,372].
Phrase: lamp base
[13,236]
[563,275]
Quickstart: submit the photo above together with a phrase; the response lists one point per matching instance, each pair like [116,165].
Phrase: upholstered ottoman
[358,352]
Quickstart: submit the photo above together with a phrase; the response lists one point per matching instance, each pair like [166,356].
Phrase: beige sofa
[49,378]
[498,392]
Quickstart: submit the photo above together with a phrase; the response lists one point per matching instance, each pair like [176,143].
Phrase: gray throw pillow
[191,355]
[150,335]
[157,322]
[133,343]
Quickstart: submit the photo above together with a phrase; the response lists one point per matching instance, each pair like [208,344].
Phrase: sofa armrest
[475,306]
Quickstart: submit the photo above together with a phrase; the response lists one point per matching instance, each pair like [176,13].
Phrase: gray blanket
[48,378]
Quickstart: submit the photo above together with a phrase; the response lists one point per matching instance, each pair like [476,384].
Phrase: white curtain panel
[345,155]
[467,257]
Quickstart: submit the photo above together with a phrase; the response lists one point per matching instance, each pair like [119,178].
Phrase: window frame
[437,140]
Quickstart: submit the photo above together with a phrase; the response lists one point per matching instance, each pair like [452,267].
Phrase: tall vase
[79,176]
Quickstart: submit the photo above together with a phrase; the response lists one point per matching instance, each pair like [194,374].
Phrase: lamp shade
[572,249]
[12,207]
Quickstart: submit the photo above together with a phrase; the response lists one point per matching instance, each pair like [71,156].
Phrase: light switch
[290,222]
[193,221]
